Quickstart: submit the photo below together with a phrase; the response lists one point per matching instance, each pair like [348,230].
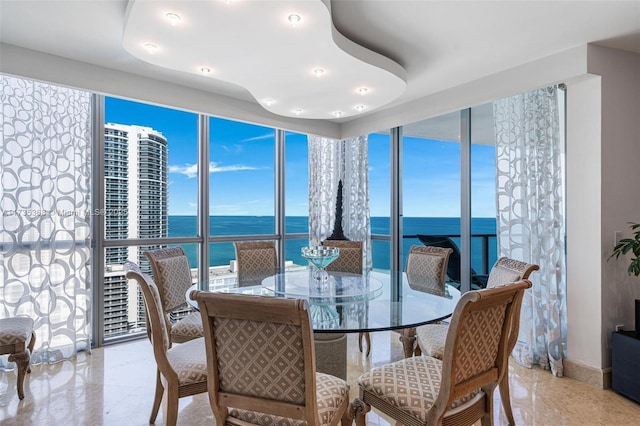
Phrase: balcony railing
[485,246]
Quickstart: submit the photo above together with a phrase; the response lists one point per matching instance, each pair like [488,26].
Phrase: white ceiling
[278,59]
[440,44]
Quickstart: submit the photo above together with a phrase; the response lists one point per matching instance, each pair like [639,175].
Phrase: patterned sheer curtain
[332,160]
[530,206]
[45,217]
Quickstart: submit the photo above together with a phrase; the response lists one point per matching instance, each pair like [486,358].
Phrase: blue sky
[241,167]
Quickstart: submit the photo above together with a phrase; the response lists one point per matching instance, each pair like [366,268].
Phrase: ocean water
[223,253]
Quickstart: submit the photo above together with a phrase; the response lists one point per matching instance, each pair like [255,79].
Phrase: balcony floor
[115,386]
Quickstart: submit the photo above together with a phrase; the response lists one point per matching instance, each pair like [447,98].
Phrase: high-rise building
[136,206]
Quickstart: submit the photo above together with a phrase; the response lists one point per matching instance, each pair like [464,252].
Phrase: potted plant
[632,245]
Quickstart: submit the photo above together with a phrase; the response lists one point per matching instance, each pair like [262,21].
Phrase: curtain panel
[45,216]
[531,218]
[332,161]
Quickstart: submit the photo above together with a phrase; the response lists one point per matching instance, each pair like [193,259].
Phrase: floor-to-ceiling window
[150,193]
[484,250]
[241,189]
[431,181]
[296,171]
[379,144]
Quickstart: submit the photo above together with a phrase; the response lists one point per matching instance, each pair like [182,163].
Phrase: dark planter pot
[625,364]
[637,323]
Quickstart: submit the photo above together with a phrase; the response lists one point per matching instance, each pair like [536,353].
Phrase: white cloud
[191,170]
[270,135]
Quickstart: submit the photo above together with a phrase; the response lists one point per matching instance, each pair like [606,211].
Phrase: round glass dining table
[350,303]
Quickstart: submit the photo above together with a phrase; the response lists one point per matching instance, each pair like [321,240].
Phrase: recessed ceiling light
[205,70]
[360,107]
[363,90]
[173,18]
[294,19]
[268,102]
[151,48]
[338,113]
[298,111]
[318,72]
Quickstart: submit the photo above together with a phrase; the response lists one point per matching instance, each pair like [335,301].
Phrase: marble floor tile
[114,385]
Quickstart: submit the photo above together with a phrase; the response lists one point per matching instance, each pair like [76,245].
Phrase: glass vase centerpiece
[320,257]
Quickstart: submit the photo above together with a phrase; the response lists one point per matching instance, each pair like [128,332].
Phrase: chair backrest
[256,261]
[426,268]
[453,266]
[476,352]
[507,270]
[157,319]
[260,355]
[350,259]
[172,275]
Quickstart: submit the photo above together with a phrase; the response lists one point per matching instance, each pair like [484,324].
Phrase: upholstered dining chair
[350,258]
[426,270]
[256,260]
[457,390]
[261,365]
[181,369]
[350,261]
[172,275]
[454,275]
[17,338]
[431,338]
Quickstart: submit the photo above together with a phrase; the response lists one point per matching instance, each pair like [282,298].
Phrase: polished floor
[115,385]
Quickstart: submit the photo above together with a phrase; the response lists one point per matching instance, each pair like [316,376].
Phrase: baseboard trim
[598,377]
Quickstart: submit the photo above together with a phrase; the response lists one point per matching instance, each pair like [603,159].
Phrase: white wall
[584,301]
[620,177]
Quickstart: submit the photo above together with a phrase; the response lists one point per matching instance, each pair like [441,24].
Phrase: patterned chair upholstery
[172,275]
[181,369]
[17,339]
[431,338]
[261,363]
[458,389]
[350,259]
[256,261]
[426,270]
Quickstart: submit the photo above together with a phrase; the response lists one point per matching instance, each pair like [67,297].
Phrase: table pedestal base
[331,354]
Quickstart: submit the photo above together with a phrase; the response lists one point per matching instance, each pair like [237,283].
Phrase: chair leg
[32,343]
[172,402]
[22,360]
[408,339]
[360,410]
[506,398]
[417,351]
[157,400]
[367,339]
[347,416]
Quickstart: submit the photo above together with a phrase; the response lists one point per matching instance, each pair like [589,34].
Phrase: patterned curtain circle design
[332,160]
[45,225]
[531,218]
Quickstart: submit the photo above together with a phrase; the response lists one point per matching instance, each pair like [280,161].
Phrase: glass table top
[339,288]
[379,300]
